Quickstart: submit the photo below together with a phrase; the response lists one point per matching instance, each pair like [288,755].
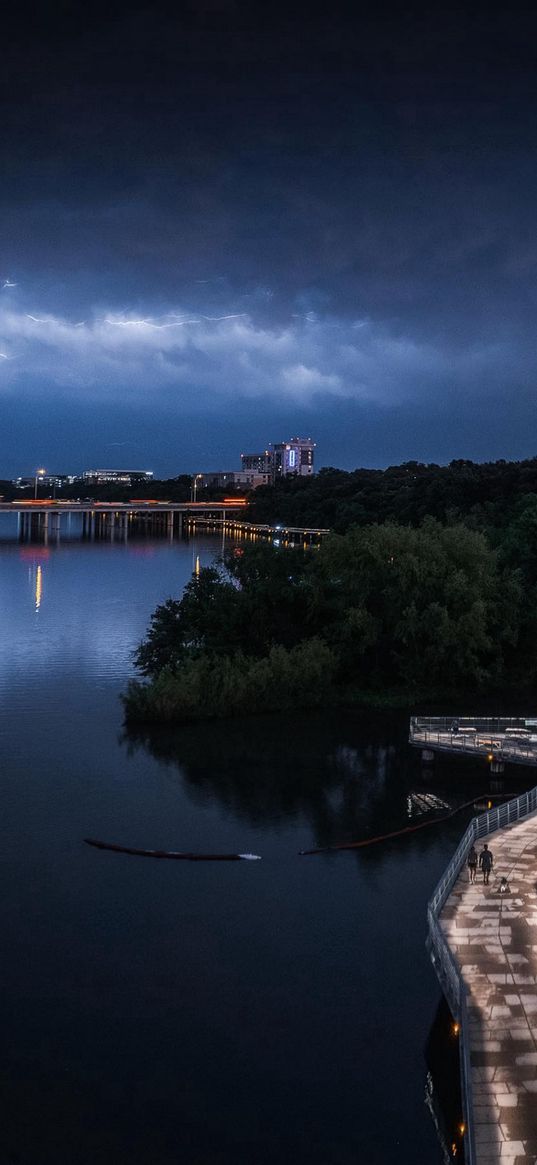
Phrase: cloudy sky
[243,222]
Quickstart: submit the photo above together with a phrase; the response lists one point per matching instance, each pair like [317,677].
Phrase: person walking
[472,863]
[486,862]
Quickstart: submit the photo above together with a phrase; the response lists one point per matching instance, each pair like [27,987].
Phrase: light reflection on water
[271,1011]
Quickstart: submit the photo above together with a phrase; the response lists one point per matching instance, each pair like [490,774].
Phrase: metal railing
[444,962]
[477,735]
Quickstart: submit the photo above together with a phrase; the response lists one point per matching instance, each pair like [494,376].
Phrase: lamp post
[38,473]
[195,485]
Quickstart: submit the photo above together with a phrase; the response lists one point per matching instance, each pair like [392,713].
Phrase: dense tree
[207,619]
[420,606]
[426,609]
[487,493]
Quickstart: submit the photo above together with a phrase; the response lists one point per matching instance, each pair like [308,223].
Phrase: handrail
[476,735]
[444,961]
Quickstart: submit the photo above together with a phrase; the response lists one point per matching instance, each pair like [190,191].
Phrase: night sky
[242,223]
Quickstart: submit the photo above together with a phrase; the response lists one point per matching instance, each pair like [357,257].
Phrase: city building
[116,476]
[294,457]
[284,459]
[48,480]
[233,478]
[258,462]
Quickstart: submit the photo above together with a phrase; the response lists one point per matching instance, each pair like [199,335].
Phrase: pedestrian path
[493,938]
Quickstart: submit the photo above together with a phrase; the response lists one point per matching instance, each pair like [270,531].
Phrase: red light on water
[34,553]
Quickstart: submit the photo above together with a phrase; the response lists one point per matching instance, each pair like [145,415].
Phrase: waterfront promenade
[484,946]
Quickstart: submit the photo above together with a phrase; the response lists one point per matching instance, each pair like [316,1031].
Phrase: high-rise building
[293,457]
[284,459]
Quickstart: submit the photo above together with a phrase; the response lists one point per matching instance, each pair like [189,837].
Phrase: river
[201,1014]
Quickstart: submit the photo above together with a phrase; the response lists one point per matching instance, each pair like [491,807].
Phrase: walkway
[493,938]
[499,739]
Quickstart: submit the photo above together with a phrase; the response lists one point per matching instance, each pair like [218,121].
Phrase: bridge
[483,944]
[497,739]
[43,519]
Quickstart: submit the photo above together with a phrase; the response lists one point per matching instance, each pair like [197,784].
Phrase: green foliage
[483,495]
[420,609]
[207,687]
[206,619]
[418,606]
[429,584]
[253,602]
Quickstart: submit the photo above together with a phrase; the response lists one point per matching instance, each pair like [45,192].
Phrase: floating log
[174,854]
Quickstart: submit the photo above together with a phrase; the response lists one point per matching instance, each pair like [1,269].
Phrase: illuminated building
[45,479]
[287,458]
[258,462]
[116,476]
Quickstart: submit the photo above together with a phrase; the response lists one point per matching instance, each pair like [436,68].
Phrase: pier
[497,739]
[483,944]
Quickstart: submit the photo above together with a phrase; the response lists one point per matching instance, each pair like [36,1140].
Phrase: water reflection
[38,586]
[348,777]
[272,1011]
[443,1087]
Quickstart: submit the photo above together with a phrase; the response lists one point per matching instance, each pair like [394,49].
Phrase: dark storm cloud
[357,194]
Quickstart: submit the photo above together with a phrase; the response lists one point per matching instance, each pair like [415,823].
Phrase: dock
[498,739]
[483,944]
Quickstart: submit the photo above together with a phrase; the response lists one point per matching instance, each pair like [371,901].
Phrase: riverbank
[300,680]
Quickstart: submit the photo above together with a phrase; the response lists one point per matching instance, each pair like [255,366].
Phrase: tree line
[425,607]
[485,496]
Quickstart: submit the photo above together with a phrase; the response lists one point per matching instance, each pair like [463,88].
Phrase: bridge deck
[493,937]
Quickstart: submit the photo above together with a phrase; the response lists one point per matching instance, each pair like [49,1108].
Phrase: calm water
[156,1012]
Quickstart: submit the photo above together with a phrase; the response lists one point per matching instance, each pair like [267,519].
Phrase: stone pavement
[493,937]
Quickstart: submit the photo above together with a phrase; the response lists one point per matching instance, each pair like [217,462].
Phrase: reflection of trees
[343,773]
[442,1088]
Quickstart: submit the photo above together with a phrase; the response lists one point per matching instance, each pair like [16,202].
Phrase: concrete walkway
[494,939]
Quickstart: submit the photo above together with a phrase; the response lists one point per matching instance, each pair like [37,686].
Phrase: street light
[38,473]
[195,484]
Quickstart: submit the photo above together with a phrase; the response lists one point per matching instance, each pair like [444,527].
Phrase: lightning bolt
[148,324]
[215,319]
